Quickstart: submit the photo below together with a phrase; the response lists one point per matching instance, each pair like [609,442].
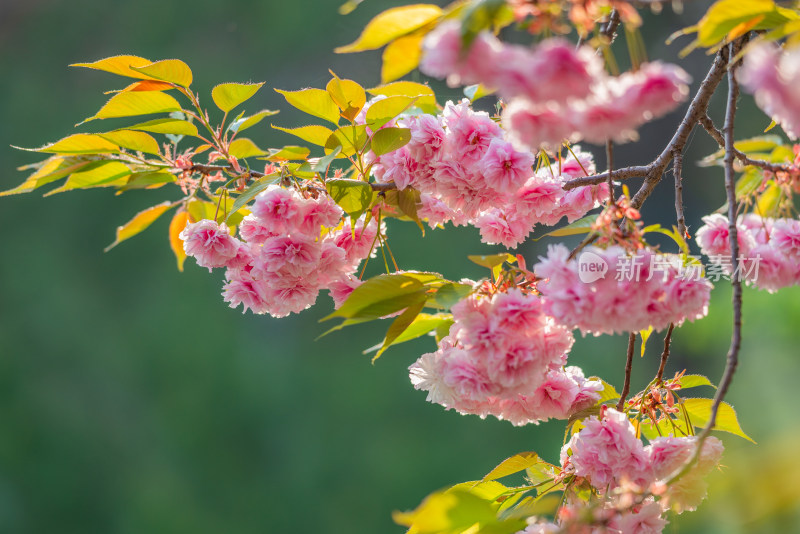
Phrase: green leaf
[243,147]
[725,15]
[400,324]
[250,193]
[493,260]
[353,196]
[408,200]
[426,100]
[120,65]
[143,180]
[749,182]
[133,140]
[424,323]
[391,24]
[768,201]
[691,381]
[390,139]
[239,125]
[348,95]
[383,111]
[139,223]
[351,139]
[166,126]
[581,226]
[514,464]
[699,411]
[99,174]
[81,144]
[380,296]
[315,102]
[475,92]
[168,70]
[289,153]
[608,393]
[402,56]
[229,95]
[136,103]
[449,294]
[315,134]
[321,165]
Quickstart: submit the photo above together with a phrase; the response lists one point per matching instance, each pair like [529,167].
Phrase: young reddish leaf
[229,95]
[426,100]
[348,95]
[120,65]
[314,134]
[514,464]
[315,102]
[391,24]
[401,56]
[168,70]
[245,148]
[133,140]
[390,139]
[176,226]
[139,223]
[136,103]
[166,126]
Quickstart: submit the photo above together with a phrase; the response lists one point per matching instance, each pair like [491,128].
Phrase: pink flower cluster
[469,174]
[283,259]
[627,293]
[769,249]
[773,76]
[555,92]
[577,518]
[504,357]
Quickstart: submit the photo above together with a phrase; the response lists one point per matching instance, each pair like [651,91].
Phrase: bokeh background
[133,400]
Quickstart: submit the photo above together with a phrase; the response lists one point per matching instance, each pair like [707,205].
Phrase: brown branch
[626,388]
[712,130]
[653,172]
[665,353]
[610,165]
[677,168]
[211,169]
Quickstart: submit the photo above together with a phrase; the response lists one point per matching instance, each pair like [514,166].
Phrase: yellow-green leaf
[244,123]
[168,70]
[244,148]
[401,56]
[390,139]
[229,95]
[176,226]
[348,95]
[400,324]
[769,200]
[426,100]
[349,138]
[81,144]
[137,103]
[145,85]
[391,24]
[313,101]
[104,173]
[47,172]
[289,153]
[383,111]
[166,126]
[699,411]
[120,65]
[314,134]
[133,140]
[645,336]
[515,464]
[724,15]
[139,223]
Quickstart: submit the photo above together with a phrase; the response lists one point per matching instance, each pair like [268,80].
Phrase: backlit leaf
[168,70]
[289,153]
[514,464]
[401,56]
[244,123]
[120,65]
[691,381]
[400,323]
[133,140]
[250,193]
[99,174]
[176,226]
[313,101]
[243,147]
[49,171]
[229,95]
[391,24]
[314,134]
[139,223]
[390,139]
[350,138]
[699,411]
[383,111]
[81,144]
[166,126]
[426,100]
[379,296]
[353,196]
[136,103]
[581,226]
[348,95]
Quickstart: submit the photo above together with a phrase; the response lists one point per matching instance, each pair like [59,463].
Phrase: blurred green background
[133,400]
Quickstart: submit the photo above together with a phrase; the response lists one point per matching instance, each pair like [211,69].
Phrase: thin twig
[665,354]
[677,168]
[211,169]
[732,359]
[626,388]
[610,165]
[712,130]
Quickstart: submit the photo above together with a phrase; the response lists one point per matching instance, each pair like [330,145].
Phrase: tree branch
[677,169]
[653,172]
[211,169]
[626,388]
[712,130]
[665,354]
